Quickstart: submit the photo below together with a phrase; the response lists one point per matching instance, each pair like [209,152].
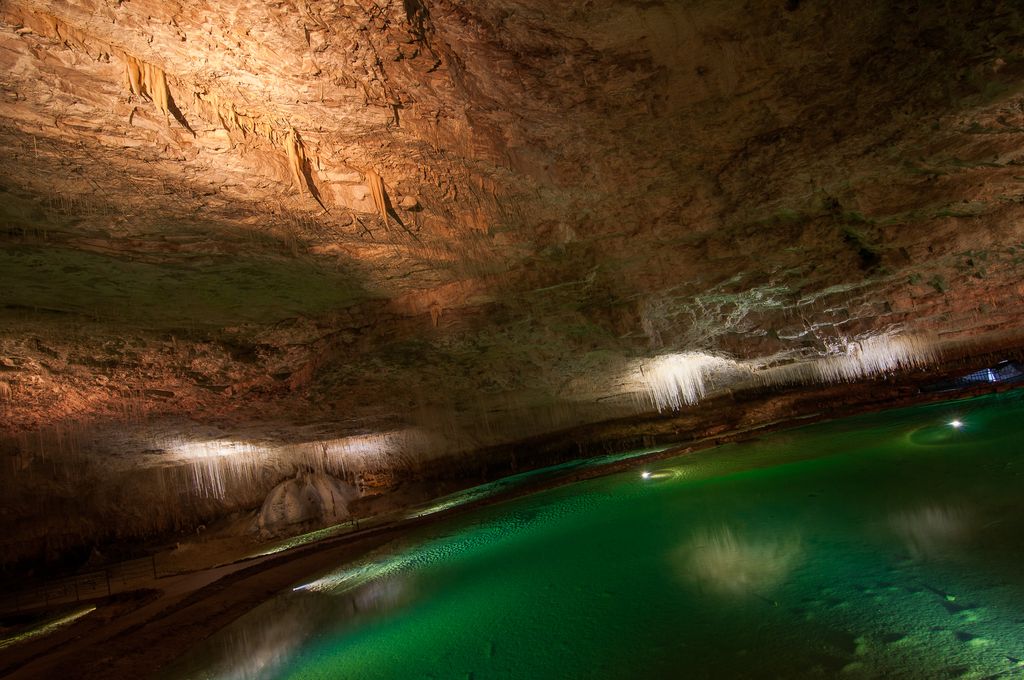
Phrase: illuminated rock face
[308,498]
[295,224]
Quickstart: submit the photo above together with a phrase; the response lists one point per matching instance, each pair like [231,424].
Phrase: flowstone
[308,498]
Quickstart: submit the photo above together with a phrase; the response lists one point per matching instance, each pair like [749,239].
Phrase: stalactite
[676,379]
[232,118]
[296,157]
[147,80]
[157,86]
[852,360]
[264,129]
[141,78]
[379,198]
[227,115]
[133,74]
[297,162]
[213,101]
[69,35]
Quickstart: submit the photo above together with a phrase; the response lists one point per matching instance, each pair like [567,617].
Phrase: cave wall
[297,223]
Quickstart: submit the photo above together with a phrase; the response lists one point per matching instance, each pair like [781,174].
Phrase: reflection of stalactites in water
[380,596]
[931,531]
[729,564]
[262,642]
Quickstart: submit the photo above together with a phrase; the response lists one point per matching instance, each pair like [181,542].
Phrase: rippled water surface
[889,545]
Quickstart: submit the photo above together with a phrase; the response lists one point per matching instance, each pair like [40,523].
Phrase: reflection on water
[661,475]
[45,627]
[261,643]
[939,434]
[728,564]
[782,557]
[931,531]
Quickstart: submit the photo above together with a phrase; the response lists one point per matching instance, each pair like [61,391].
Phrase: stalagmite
[309,497]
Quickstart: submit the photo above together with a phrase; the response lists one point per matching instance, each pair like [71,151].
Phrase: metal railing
[135,574]
[115,578]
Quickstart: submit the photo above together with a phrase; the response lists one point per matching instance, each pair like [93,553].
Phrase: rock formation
[308,498]
[447,225]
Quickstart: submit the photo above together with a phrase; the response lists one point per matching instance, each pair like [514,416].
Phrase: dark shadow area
[178,115]
[194,275]
[307,176]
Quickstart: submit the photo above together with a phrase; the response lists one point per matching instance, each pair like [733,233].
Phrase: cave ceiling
[314,219]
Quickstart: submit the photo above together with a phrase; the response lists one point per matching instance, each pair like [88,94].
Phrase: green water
[889,545]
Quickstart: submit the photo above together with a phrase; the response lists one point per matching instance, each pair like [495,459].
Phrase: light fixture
[645,474]
[956,424]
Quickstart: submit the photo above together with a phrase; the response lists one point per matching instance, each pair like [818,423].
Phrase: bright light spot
[660,475]
[956,424]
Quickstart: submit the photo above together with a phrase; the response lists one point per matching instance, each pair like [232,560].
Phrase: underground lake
[883,545]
